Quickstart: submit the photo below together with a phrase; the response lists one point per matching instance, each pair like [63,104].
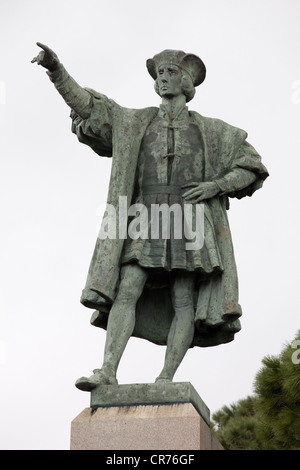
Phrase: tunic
[171,156]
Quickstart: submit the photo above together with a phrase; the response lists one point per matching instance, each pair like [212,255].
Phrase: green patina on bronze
[163,155]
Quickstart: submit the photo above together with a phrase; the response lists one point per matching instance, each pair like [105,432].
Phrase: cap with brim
[191,63]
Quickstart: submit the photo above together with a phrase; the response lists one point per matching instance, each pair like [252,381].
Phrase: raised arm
[74,95]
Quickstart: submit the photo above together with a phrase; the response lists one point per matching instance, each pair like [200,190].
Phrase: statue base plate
[149,394]
[161,416]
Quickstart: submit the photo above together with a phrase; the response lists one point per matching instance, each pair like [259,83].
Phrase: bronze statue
[154,287]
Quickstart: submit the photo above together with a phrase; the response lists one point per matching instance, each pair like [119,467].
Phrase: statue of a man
[156,288]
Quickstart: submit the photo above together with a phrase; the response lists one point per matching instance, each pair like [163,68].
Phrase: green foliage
[236,425]
[270,419]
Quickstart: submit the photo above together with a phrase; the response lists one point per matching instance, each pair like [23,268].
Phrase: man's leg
[121,321]
[182,328]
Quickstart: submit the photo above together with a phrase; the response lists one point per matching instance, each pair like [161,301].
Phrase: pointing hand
[47,58]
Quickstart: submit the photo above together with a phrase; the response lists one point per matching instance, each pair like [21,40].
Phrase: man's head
[176,72]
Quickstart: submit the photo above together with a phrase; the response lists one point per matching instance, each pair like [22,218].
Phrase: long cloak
[115,131]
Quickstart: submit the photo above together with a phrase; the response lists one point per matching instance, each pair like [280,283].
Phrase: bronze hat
[189,62]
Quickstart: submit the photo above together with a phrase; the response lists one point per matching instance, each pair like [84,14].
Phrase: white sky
[51,188]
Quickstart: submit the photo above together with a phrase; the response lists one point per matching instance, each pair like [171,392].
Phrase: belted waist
[161,189]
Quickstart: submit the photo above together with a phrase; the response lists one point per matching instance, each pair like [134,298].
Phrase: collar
[182,113]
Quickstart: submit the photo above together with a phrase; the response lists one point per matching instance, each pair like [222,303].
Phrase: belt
[161,189]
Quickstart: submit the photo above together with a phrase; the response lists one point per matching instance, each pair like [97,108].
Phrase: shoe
[86,384]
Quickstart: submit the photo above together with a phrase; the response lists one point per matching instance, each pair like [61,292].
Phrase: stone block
[144,417]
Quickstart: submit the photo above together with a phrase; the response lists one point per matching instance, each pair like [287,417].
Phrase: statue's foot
[99,377]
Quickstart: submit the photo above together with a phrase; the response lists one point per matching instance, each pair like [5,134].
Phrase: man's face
[169,81]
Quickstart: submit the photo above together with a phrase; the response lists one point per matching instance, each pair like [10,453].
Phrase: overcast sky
[52,187]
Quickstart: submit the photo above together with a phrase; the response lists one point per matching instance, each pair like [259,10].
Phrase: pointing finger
[43,46]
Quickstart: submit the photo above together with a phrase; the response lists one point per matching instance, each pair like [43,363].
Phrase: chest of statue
[171,152]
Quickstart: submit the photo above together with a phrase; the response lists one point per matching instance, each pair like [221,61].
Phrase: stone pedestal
[144,417]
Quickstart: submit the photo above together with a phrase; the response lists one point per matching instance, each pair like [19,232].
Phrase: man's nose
[163,76]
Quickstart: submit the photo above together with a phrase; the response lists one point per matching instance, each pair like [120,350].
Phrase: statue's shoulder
[138,115]
[101,98]
[112,104]
[216,125]
[147,113]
